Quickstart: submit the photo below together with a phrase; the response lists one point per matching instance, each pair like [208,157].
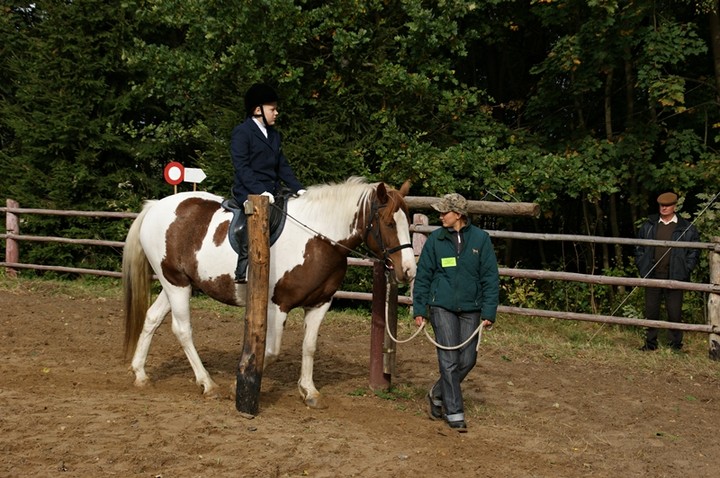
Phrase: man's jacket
[682,261]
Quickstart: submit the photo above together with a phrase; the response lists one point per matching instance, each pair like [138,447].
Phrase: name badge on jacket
[448,262]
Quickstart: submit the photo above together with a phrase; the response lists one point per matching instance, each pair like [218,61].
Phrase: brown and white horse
[183,239]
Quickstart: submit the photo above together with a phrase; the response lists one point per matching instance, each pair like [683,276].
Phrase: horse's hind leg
[306,385]
[180,307]
[153,318]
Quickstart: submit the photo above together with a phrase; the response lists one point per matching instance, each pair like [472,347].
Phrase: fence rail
[420,228]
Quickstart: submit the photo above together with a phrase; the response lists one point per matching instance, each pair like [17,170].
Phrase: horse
[183,239]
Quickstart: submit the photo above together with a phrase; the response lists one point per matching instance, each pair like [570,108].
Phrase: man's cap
[259,94]
[667,199]
[451,202]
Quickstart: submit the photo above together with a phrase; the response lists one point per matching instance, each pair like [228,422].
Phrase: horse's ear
[382,193]
[405,188]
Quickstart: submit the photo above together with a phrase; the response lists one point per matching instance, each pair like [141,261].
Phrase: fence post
[379,380]
[12,249]
[390,347]
[418,239]
[250,368]
[714,300]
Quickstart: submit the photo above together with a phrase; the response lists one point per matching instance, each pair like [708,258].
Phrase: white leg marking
[273,339]
[306,385]
[153,318]
[181,327]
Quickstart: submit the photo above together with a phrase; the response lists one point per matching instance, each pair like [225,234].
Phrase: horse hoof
[210,391]
[211,394]
[315,402]
[141,382]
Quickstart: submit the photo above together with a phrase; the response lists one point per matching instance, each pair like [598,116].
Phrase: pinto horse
[183,239]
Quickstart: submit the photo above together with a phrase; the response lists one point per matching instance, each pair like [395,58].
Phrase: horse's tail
[136,281]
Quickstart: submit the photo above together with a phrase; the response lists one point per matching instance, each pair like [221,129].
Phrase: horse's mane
[322,201]
[355,191]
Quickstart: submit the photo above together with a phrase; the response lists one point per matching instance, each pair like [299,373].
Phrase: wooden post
[418,239]
[378,379]
[12,248]
[389,346]
[249,374]
[714,300]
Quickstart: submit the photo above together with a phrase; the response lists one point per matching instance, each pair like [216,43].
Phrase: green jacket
[467,282]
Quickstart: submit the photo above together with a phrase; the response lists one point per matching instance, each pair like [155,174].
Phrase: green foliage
[588,108]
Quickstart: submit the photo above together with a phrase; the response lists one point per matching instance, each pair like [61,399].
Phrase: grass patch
[513,339]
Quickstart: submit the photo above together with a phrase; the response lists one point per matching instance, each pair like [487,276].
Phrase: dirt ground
[68,407]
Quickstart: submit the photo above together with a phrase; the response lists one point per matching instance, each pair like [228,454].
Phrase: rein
[372,228]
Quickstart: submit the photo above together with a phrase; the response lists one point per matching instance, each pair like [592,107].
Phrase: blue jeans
[451,330]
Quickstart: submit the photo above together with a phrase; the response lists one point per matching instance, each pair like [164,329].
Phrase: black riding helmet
[257,95]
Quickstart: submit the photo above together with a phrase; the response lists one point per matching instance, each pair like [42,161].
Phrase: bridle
[373,229]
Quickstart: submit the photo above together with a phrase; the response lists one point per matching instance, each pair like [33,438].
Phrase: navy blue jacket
[682,261]
[259,163]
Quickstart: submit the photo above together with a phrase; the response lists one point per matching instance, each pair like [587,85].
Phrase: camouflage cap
[667,199]
[451,202]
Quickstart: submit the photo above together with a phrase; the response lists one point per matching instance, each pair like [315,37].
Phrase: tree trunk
[714,19]
[608,104]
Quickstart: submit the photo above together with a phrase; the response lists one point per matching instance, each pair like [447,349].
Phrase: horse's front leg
[153,318]
[273,339]
[306,386]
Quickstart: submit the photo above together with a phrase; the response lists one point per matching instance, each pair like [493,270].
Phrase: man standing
[671,263]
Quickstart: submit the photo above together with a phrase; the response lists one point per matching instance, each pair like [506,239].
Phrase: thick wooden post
[378,379]
[389,345]
[249,374]
[12,248]
[714,300]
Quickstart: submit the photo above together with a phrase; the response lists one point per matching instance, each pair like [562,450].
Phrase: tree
[69,95]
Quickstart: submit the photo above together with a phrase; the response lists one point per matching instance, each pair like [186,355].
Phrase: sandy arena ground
[68,406]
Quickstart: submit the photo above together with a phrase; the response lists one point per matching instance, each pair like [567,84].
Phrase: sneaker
[434,411]
[458,426]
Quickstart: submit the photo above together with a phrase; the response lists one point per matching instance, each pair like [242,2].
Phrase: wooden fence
[420,229]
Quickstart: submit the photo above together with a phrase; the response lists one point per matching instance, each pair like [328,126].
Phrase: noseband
[373,228]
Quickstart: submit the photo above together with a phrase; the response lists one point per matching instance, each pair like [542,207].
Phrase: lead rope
[477,332]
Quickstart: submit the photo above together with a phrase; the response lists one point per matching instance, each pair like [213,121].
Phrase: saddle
[278,212]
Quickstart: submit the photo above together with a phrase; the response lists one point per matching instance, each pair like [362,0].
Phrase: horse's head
[387,232]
